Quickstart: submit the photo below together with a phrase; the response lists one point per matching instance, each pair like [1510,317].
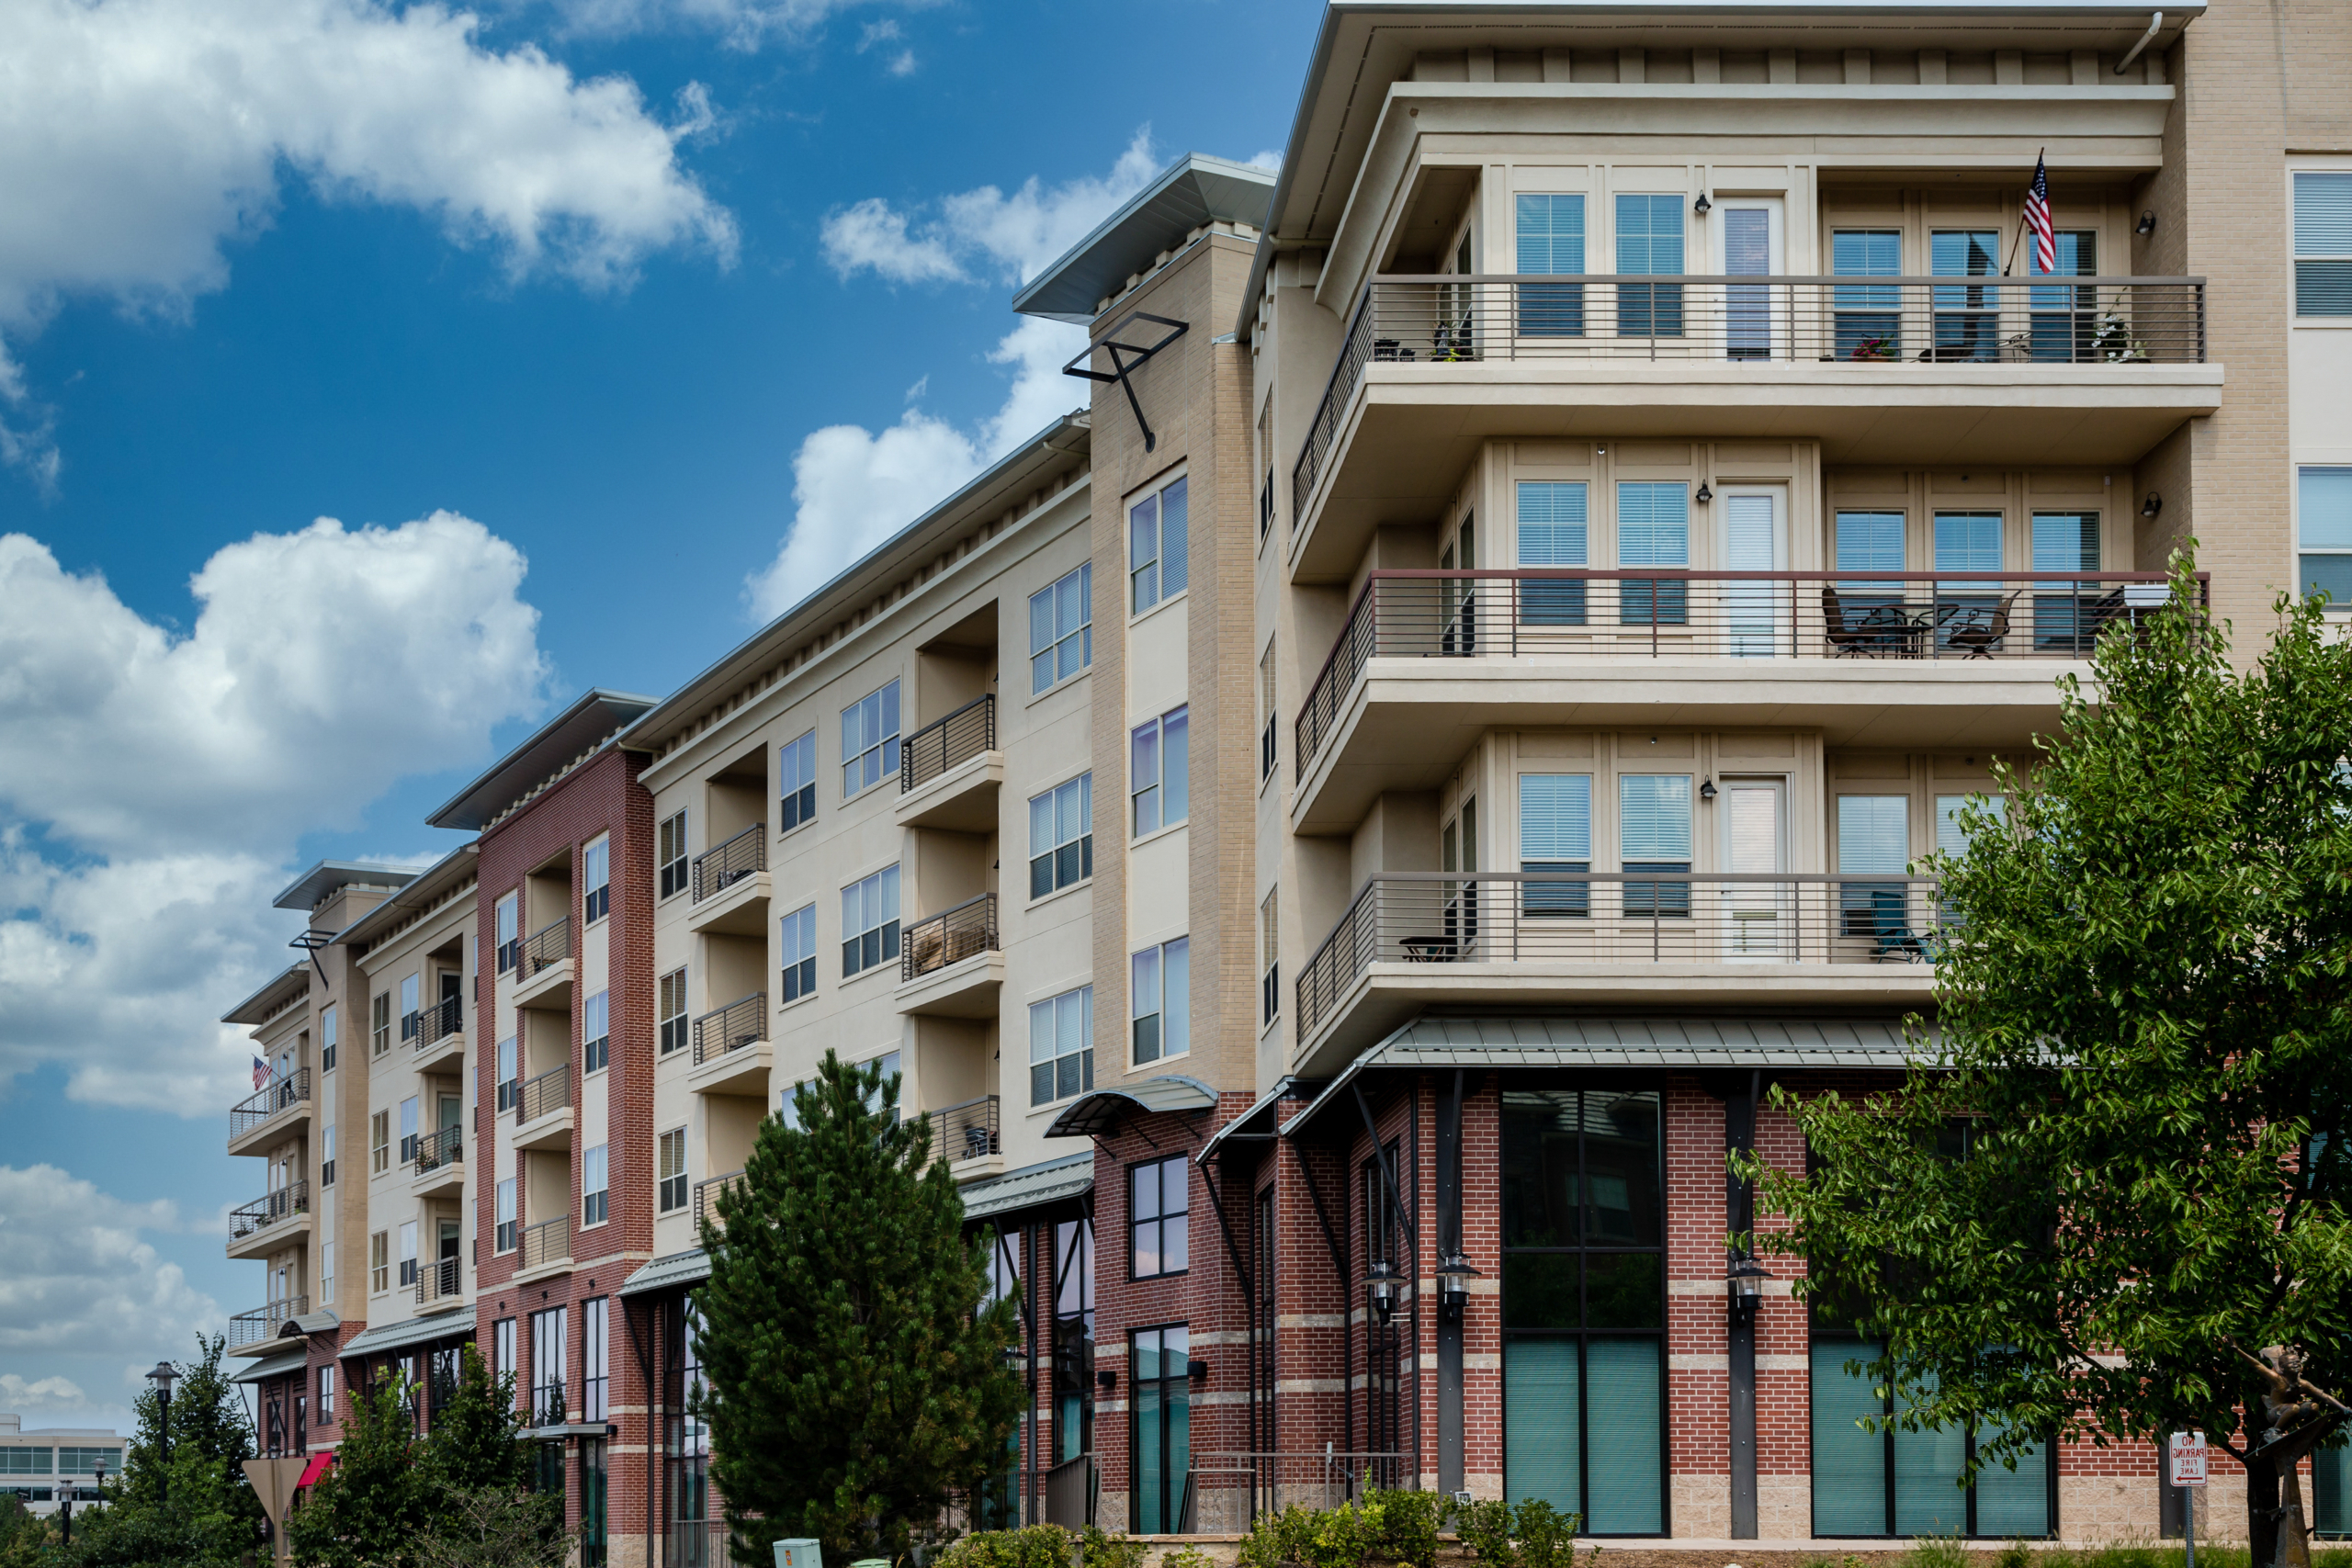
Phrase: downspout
[1450,1464]
[2156,25]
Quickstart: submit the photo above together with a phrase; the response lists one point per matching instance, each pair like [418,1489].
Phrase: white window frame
[797,941]
[1054,1024]
[673,1028]
[509,1228]
[595,879]
[872,725]
[672,872]
[1057,637]
[670,1172]
[595,1183]
[1155,793]
[2337,262]
[596,1032]
[860,900]
[2306,551]
[1050,802]
[507,926]
[1147,574]
[795,771]
[1148,972]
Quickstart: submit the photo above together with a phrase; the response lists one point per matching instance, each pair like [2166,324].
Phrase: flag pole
[2019,236]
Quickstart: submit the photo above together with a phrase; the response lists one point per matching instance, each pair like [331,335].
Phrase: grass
[1947,1552]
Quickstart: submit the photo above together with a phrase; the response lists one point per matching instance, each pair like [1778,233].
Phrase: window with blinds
[1267,750]
[1966,541]
[1555,837]
[1653,529]
[1554,530]
[1874,835]
[1868,318]
[2065,541]
[1551,242]
[2324,532]
[1270,989]
[1967,317]
[1863,541]
[2323,244]
[1650,241]
[1654,834]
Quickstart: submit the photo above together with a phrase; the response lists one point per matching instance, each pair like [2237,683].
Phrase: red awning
[312,1471]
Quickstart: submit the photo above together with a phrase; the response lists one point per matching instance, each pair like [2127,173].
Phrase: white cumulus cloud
[742,24]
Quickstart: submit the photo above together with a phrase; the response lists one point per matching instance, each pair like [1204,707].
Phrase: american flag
[261,1073]
[2037,218]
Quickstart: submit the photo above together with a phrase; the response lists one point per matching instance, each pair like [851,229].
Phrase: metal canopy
[1193,190]
[689,1268]
[1260,1123]
[275,1366]
[1031,1187]
[415,1331]
[1099,1109]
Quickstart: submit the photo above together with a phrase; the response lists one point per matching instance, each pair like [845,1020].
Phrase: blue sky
[602,327]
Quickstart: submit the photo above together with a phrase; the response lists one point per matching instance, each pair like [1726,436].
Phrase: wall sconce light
[2154,504]
[1705,495]
[1382,1285]
[2147,225]
[1453,1272]
[1746,1286]
[1106,1380]
[1707,792]
[1702,205]
[1198,1370]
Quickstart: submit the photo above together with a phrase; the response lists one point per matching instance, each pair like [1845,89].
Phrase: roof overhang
[592,718]
[313,888]
[275,1366]
[1261,1123]
[1036,1186]
[1193,190]
[1100,1110]
[690,1267]
[263,1004]
[450,870]
[458,1324]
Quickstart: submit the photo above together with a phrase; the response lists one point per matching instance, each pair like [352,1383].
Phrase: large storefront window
[1163,1360]
[2332,1491]
[689,1515]
[592,1502]
[1584,1305]
[1897,1483]
[1073,1339]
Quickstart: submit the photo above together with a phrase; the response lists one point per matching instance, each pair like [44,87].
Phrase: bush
[1110,1551]
[1184,1557]
[1406,1526]
[1039,1546]
[1547,1538]
[1486,1528]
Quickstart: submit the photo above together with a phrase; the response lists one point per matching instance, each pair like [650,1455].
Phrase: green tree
[856,1375]
[493,1526]
[25,1537]
[2145,1033]
[370,1508]
[196,1509]
[474,1441]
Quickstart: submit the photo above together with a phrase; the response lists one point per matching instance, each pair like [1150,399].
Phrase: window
[1874,835]
[408,1007]
[547,1367]
[508,915]
[2323,529]
[1654,834]
[671,1192]
[1061,836]
[408,1129]
[86,1461]
[501,1350]
[596,1358]
[1158,1197]
[1162,1426]
[672,1005]
[1162,992]
[594,1167]
[1266,505]
[379,1266]
[379,1142]
[1867,317]
[1061,1047]
[1653,529]
[870,740]
[1583,1304]
[788,1109]
[796,779]
[870,921]
[1555,836]
[1650,241]
[1967,318]
[799,941]
[408,1253]
[1552,531]
[1269,989]
[887,1087]
[1550,243]
[380,1023]
[326,1393]
[326,1273]
[1061,629]
[597,876]
[596,1029]
[2323,244]
[24,1461]
[1158,546]
[2064,325]
[2064,541]
[326,1156]
[508,1191]
[509,1073]
[1160,783]
[669,855]
[327,1038]
[1268,716]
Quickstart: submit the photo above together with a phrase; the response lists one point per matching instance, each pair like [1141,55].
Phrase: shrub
[1038,1546]
[1184,1557]
[1110,1551]
[1407,1526]
[1337,1537]
[1547,1538]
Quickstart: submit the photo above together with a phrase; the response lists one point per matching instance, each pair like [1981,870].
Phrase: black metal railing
[435,1150]
[438,1281]
[263,1322]
[967,1131]
[707,1195]
[549,1241]
[548,1092]
[288,1201]
[1069,1493]
[548,946]
[1670,613]
[1862,321]
[1632,917]
[1228,1490]
[741,857]
[277,1095]
[437,1022]
[730,1028]
[963,734]
[949,937]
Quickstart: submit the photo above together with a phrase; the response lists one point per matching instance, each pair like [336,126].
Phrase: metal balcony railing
[967,1131]
[1069,1493]
[288,1201]
[263,1322]
[1875,323]
[549,1241]
[548,946]
[439,1280]
[435,1150]
[707,1196]
[1622,918]
[1670,613]
[550,1091]
[437,1022]
[935,748]
[949,937]
[277,1095]
[741,857]
[730,1028]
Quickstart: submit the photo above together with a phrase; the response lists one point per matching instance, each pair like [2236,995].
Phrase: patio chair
[1978,633]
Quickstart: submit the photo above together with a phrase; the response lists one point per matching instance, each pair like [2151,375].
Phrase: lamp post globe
[162,1377]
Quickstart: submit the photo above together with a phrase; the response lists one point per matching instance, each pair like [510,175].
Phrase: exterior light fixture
[1382,1285]
[2154,504]
[1705,495]
[1707,791]
[1453,1274]
[162,1377]
[1702,205]
[1106,1380]
[1745,1285]
[1198,1370]
[2147,225]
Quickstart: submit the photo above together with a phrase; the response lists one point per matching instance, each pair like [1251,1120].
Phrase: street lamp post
[162,1377]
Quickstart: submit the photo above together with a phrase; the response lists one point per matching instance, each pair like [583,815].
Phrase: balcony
[280,1219]
[1429,659]
[543,1110]
[543,971]
[1905,370]
[262,1322]
[280,1109]
[731,1049]
[730,884]
[951,964]
[950,771]
[546,1249]
[440,1285]
[440,1163]
[441,1035]
[1412,940]
[967,1137]
[707,1198]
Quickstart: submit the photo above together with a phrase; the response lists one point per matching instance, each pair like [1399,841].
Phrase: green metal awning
[392,1336]
[275,1366]
[1031,1187]
[689,1268]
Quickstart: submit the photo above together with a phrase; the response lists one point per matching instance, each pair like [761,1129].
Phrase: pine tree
[856,1375]
[369,1510]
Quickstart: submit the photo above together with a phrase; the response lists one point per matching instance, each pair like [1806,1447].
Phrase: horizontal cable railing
[437,1022]
[262,1322]
[438,1281]
[741,857]
[549,1241]
[949,937]
[548,946]
[444,1147]
[730,1028]
[1675,612]
[707,1195]
[288,1201]
[967,1131]
[550,1091]
[1231,1489]
[1631,917]
[277,1095]
[935,748]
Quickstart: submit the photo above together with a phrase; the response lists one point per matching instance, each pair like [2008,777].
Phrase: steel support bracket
[1120,367]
